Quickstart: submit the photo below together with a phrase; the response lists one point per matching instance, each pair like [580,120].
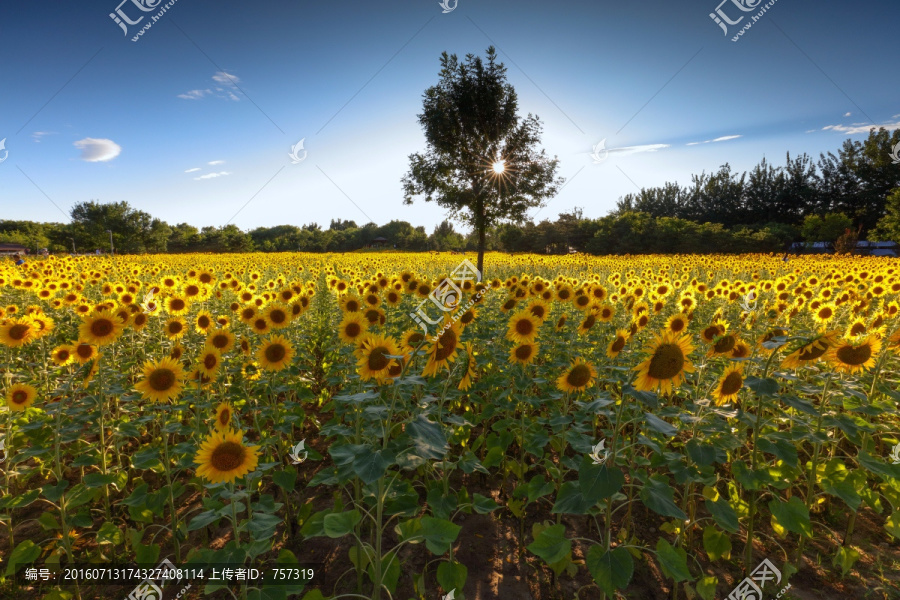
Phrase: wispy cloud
[846,114]
[98,150]
[194,170]
[724,138]
[628,150]
[862,127]
[212,175]
[215,162]
[226,88]
[37,135]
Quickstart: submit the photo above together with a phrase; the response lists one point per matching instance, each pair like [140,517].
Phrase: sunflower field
[684,427]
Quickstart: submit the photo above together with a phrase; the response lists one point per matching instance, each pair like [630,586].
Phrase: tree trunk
[480,225]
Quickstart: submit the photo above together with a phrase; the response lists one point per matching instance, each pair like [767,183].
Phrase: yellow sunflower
[275,354]
[466,382]
[224,416]
[63,355]
[810,352]
[203,321]
[17,332]
[223,457]
[579,376]
[667,364]
[352,327]
[523,327]
[162,380]
[410,340]
[20,396]
[442,352]
[221,339]
[524,353]
[175,328]
[854,357]
[278,315]
[677,323]
[618,343]
[209,361]
[84,352]
[373,361]
[729,385]
[100,328]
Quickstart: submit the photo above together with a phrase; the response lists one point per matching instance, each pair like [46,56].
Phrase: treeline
[855,192]
[854,182]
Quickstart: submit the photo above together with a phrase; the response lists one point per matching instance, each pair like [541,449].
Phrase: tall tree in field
[482,161]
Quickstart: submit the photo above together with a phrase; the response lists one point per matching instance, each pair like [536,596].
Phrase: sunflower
[712,331]
[667,364]
[373,362]
[260,325]
[17,332]
[741,350]
[176,351]
[589,321]
[352,327]
[523,327]
[223,457]
[723,345]
[539,309]
[560,323]
[410,340]
[579,376]
[95,366]
[162,380]
[275,354]
[139,321]
[729,385]
[209,361]
[824,313]
[467,317]
[442,351]
[20,396]
[854,357]
[605,313]
[63,355]
[810,352]
[175,328]
[176,305]
[278,315]
[100,328]
[351,303]
[224,416]
[677,323]
[524,353]
[618,344]
[250,371]
[221,339]
[466,382]
[84,352]
[203,321]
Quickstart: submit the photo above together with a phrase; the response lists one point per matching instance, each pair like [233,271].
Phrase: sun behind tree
[482,162]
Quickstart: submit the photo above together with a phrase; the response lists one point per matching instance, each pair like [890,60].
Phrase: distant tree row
[854,182]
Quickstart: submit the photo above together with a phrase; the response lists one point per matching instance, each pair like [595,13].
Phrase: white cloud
[225,78]
[215,162]
[627,150]
[212,175]
[194,170]
[37,135]
[847,114]
[194,94]
[724,138]
[861,127]
[98,150]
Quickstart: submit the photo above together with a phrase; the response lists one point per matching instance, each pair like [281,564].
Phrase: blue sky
[197,118]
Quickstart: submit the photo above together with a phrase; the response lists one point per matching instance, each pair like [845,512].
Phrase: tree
[131,229]
[482,162]
[825,229]
[888,229]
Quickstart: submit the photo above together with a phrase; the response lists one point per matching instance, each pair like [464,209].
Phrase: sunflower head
[667,364]
[579,376]
[223,457]
[275,354]
[224,417]
[20,396]
[162,380]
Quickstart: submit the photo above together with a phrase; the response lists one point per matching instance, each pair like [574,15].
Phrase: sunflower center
[812,352]
[227,456]
[446,345]
[677,325]
[667,362]
[203,321]
[275,353]
[352,329]
[711,332]
[225,417]
[579,376]
[353,306]
[858,355]
[725,344]
[377,359]
[175,327]
[524,327]
[416,338]
[523,352]
[589,321]
[18,332]
[618,344]
[101,327]
[84,350]
[63,355]
[732,383]
[161,380]
[19,397]
[858,328]
[469,315]
[210,361]
[177,304]
[278,316]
